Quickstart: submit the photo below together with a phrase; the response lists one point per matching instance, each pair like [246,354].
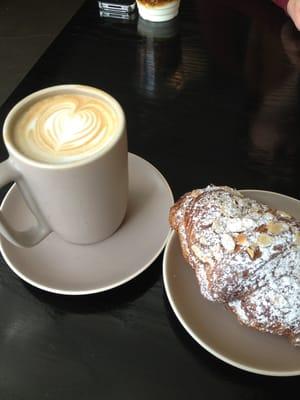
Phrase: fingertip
[297,15]
[293,9]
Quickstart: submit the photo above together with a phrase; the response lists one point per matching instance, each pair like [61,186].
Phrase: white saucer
[216,329]
[60,267]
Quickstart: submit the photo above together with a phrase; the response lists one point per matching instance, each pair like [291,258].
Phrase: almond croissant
[244,254]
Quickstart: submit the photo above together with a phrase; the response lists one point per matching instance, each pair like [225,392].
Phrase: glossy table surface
[211,97]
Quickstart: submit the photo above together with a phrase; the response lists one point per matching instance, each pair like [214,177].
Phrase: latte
[63,128]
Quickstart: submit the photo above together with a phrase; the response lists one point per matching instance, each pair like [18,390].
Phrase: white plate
[60,267]
[216,329]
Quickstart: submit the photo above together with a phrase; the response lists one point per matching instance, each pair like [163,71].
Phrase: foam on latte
[64,128]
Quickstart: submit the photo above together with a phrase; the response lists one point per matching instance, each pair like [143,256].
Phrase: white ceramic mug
[83,201]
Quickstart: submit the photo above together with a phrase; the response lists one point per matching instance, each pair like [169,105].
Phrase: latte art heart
[64,128]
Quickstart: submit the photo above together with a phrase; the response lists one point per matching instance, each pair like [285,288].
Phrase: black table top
[211,97]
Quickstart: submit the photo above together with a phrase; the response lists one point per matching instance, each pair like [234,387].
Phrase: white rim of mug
[82,89]
[226,359]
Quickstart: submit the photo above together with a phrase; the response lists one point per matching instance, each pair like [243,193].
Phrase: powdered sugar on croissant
[244,254]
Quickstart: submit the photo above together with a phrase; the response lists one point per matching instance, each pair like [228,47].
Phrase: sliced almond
[275,228]
[253,252]
[264,240]
[247,223]
[234,225]
[241,239]
[283,214]
[228,242]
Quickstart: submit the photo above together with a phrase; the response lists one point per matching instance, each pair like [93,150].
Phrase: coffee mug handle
[34,234]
